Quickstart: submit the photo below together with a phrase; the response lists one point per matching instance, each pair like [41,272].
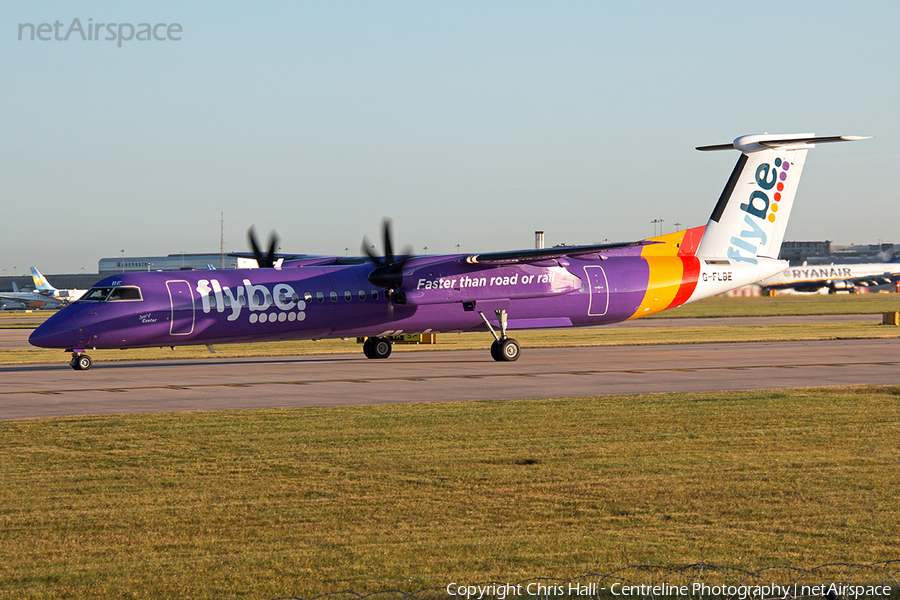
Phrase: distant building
[800,251]
[824,252]
[172,262]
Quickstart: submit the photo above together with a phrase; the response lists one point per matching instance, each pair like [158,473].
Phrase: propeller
[264,261]
[388,273]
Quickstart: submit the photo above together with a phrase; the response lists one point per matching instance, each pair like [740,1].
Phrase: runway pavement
[216,383]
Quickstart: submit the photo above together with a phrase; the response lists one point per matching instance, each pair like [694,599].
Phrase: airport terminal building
[171,262]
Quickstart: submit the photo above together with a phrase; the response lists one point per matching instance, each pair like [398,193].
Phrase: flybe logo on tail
[760,210]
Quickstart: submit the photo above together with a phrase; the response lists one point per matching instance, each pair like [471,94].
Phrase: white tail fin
[40,282]
[752,213]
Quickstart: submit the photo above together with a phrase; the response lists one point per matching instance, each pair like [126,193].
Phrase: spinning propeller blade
[388,272]
[264,261]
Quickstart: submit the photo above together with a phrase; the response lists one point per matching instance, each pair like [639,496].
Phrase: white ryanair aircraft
[834,277]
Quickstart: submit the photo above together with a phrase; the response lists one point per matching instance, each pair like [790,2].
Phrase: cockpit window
[122,293]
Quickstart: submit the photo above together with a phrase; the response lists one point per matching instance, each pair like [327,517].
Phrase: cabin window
[374,295]
[348,296]
[333,296]
[96,294]
[307,297]
[125,293]
[320,296]
[362,295]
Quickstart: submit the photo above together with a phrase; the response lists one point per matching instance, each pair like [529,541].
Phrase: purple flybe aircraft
[376,297]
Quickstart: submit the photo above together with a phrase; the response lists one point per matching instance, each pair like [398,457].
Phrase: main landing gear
[504,349]
[80,361]
[377,347]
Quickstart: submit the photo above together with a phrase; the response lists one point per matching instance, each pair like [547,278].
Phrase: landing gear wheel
[377,347]
[81,362]
[381,348]
[509,350]
[495,351]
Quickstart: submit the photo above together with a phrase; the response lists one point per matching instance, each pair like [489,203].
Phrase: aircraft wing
[871,280]
[510,257]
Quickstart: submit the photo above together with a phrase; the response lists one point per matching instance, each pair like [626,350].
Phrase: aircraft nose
[56,332]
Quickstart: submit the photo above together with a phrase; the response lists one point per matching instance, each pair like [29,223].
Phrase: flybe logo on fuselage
[760,210]
[280,303]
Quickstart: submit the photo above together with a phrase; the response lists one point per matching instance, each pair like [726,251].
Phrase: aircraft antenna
[222,241]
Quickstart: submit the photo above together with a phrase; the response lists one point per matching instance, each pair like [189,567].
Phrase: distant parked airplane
[29,299]
[43,287]
[811,278]
[382,296]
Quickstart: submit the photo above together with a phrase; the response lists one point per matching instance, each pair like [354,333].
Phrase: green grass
[19,324]
[273,503]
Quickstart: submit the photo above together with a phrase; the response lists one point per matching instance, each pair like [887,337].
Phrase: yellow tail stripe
[666,273]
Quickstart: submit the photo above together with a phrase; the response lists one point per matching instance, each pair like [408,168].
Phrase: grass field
[265,504]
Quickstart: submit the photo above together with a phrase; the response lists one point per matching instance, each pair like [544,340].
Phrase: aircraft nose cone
[56,332]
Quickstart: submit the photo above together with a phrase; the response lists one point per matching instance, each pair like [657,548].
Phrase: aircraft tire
[495,351]
[367,348]
[381,347]
[82,362]
[509,350]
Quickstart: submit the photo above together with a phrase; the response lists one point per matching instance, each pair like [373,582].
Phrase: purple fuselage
[305,300]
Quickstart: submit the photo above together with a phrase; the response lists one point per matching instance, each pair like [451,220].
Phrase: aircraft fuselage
[441,294]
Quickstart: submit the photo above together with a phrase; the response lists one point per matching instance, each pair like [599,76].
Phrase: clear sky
[469,123]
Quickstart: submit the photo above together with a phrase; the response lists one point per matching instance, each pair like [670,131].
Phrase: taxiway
[439,376]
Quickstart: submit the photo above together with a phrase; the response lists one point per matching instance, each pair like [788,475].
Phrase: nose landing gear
[80,361]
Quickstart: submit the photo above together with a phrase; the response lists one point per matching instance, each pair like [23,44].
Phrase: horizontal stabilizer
[755,143]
